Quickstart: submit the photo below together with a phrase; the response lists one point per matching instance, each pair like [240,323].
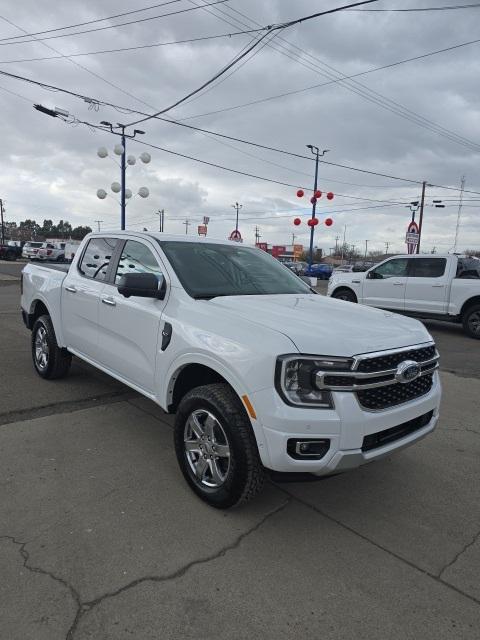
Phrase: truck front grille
[392,360]
[393,394]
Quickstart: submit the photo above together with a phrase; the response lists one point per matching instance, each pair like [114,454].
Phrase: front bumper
[345,426]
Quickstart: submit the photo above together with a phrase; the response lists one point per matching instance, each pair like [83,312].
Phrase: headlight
[295,379]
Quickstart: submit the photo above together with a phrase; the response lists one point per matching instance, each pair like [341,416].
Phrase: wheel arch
[469,303]
[344,287]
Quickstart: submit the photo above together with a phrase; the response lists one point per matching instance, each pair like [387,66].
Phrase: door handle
[71,289]
[109,301]
[438,285]
[398,284]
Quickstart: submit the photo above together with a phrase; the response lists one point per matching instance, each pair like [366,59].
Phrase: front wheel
[471,321]
[49,360]
[344,294]
[216,447]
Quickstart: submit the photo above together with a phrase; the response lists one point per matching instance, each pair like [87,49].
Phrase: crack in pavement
[66,406]
[26,557]
[457,556]
[397,556]
[85,607]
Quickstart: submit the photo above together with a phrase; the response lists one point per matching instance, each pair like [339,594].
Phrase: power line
[110,26]
[242,55]
[446,8]
[136,48]
[359,89]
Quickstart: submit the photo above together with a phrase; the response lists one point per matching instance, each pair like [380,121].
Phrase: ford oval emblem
[407,371]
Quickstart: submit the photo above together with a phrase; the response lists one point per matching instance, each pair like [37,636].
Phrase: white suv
[30,249]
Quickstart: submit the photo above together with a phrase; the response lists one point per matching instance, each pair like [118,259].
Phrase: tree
[80,232]
[48,229]
[29,229]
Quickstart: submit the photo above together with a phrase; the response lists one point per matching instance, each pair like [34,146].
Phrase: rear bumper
[347,427]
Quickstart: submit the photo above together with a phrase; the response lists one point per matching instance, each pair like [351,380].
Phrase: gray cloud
[50,169]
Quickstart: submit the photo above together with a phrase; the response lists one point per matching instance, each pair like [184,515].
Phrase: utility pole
[337,238]
[366,248]
[186,223]
[317,154]
[237,207]
[343,245]
[460,204]
[387,244]
[3,225]
[257,235]
[161,218]
[99,222]
[420,222]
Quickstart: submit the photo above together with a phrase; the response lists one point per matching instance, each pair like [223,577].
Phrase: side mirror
[142,285]
[371,275]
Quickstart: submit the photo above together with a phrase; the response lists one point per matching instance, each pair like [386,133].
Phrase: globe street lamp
[120,187]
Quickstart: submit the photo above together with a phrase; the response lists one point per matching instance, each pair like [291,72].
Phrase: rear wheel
[216,447]
[49,360]
[471,321]
[344,294]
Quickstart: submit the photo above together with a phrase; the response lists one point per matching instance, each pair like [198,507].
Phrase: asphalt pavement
[101,539]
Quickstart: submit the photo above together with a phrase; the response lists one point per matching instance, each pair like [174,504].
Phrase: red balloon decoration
[312,222]
[329,222]
[297,221]
[300,193]
[318,194]
[313,199]
[329,195]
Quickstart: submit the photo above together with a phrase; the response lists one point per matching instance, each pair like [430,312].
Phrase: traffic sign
[236,236]
[202,229]
[412,236]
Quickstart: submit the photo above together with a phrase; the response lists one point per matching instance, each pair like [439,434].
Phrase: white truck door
[384,286]
[129,327]
[81,294]
[427,285]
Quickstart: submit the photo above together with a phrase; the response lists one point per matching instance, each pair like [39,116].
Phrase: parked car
[30,250]
[442,287]
[344,268]
[218,332]
[52,252]
[297,267]
[321,271]
[10,251]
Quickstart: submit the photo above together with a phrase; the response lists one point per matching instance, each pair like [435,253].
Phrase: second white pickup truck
[261,372]
[442,287]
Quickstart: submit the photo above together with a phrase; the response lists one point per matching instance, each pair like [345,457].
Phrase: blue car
[320,271]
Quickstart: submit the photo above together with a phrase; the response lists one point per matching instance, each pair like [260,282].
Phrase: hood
[325,326]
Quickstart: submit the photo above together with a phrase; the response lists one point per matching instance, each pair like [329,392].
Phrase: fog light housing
[307,449]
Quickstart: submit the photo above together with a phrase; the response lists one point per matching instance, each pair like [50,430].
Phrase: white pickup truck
[442,287]
[262,372]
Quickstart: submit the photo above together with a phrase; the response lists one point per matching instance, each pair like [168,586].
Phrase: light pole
[366,249]
[237,208]
[317,154]
[121,150]
[161,219]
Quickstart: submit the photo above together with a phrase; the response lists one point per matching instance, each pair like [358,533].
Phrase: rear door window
[96,258]
[427,267]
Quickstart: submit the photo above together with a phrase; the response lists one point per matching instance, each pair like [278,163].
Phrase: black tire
[11,256]
[243,473]
[57,362]
[345,294]
[61,258]
[471,321]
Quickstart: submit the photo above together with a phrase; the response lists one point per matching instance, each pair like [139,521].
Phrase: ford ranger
[261,371]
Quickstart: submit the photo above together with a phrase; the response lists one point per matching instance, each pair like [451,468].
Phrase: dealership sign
[412,237]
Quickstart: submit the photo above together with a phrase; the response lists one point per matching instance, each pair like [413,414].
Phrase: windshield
[207,270]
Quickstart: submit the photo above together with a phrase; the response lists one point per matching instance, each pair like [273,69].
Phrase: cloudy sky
[419,120]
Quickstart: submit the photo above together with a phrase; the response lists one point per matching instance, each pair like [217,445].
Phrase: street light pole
[123,168]
[316,152]
[420,222]
[1,216]
[237,208]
